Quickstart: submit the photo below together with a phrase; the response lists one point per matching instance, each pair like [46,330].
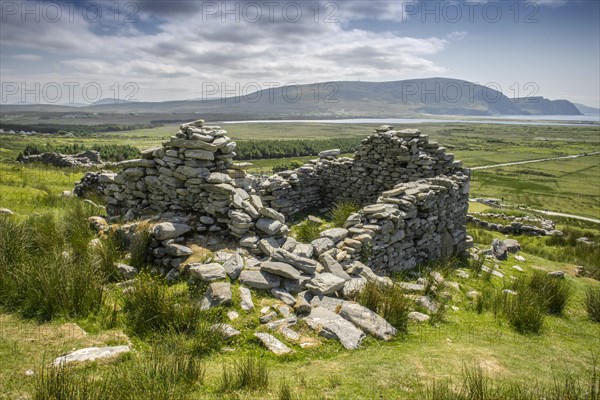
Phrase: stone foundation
[414,198]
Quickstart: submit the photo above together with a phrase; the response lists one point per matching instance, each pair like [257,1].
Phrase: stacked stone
[383,160]
[90,184]
[414,197]
[193,172]
[517,227]
[86,159]
[415,222]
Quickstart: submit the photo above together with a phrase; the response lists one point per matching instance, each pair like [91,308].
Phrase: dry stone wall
[383,160]
[414,198]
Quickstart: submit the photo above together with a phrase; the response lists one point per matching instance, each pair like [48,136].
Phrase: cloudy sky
[156,50]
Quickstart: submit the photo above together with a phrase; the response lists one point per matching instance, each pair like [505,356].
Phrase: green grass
[563,182]
[592,304]
[249,372]
[190,368]
[388,302]
[341,211]
[47,268]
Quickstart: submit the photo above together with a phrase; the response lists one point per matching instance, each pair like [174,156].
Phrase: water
[553,120]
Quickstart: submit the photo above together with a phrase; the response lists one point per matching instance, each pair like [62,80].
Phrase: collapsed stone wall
[384,159]
[414,198]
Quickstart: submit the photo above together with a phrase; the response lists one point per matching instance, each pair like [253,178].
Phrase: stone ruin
[86,159]
[414,195]
[414,200]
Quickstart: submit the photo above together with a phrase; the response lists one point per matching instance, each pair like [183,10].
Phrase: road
[534,161]
[557,214]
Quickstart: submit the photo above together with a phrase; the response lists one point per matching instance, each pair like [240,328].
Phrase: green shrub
[139,247]
[476,385]
[341,211]
[151,306]
[285,392]
[553,293]
[162,374]
[47,270]
[105,255]
[389,302]
[249,372]
[592,304]
[66,382]
[307,231]
[523,311]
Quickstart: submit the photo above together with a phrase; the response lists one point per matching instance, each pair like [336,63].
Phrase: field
[474,144]
[464,339]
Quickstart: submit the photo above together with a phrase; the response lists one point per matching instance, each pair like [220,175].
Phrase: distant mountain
[542,106]
[109,100]
[344,99]
[586,110]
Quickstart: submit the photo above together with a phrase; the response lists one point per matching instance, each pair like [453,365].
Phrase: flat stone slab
[246,299]
[280,269]
[321,245]
[226,330]
[335,234]
[269,226]
[169,230]
[207,272]
[368,321]
[259,279]
[284,296]
[91,354]
[411,287]
[331,325]
[418,317]
[219,293]
[297,261]
[178,250]
[272,343]
[325,283]
[332,266]
[126,271]
[234,265]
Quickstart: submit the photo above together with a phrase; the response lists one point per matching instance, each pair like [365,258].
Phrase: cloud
[456,35]
[173,47]
[27,57]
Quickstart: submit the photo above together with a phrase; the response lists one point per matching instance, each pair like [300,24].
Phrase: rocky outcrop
[87,159]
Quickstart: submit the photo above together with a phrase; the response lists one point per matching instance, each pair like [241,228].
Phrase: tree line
[262,149]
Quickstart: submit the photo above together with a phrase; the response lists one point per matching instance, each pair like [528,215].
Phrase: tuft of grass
[307,231]
[341,211]
[139,246]
[151,307]
[476,385]
[523,311]
[106,254]
[553,293]
[389,302]
[47,268]
[160,374]
[285,391]
[249,372]
[592,304]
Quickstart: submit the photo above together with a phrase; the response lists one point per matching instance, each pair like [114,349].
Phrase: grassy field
[405,368]
[569,186]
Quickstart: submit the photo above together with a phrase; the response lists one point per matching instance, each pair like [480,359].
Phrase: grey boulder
[325,283]
[333,326]
[259,279]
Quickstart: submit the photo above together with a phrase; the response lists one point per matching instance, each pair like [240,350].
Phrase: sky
[157,50]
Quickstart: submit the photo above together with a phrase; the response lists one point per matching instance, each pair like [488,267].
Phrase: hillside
[343,99]
[542,106]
